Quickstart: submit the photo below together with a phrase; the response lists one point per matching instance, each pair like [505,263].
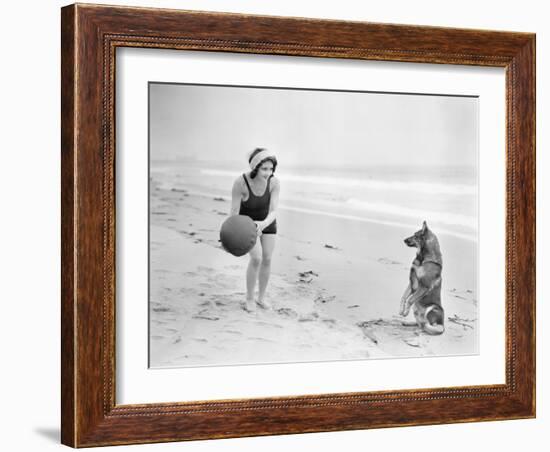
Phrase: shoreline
[345,216]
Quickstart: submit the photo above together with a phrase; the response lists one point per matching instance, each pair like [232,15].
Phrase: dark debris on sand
[462,322]
[324,299]
[307,277]
[308,273]
[369,323]
[366,327]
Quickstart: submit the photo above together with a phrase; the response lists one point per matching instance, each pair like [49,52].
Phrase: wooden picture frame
[90,35]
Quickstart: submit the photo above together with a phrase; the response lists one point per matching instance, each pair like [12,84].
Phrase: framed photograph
[281,225]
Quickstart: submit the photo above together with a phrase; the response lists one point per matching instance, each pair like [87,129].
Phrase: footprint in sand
[387,261]
[309,318]
[394,327]
[190,274]
[269,325]
[260,339]
[162,270]
[205,269]
[192,357]
[206,317]
[206,285]
[287,312]
[233,332]
[304,345]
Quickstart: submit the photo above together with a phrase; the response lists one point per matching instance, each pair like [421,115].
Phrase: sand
[335,287]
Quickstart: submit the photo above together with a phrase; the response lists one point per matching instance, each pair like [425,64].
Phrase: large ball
[238,234]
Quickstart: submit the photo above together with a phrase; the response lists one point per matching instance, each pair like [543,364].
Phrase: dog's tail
[434,329]
[435,318]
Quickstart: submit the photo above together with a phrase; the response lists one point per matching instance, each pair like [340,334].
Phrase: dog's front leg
[418,294]
[412,299]
[408,291]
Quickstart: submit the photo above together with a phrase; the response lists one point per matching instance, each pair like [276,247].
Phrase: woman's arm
[236,196]
[272,205]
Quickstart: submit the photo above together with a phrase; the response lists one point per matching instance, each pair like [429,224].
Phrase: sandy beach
[335,287]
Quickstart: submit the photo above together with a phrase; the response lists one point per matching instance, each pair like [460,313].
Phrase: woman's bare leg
[252,274]
[268,245]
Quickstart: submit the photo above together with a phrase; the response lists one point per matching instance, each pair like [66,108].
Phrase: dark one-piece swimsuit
[257,207]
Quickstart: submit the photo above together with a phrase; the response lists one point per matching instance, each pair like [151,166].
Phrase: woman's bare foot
[250,305]
[263,303]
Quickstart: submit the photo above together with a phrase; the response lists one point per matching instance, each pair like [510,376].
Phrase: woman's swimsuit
[257,207]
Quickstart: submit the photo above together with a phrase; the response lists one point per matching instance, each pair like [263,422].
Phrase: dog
[423,293]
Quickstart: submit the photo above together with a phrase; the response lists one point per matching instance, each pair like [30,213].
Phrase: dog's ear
[424,226]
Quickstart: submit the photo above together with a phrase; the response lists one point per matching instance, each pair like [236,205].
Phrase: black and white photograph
[299,225]
[275,225]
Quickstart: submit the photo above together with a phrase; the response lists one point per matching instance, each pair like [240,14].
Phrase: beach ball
[238,234]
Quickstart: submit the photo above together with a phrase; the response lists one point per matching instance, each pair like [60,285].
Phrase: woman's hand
[259,227]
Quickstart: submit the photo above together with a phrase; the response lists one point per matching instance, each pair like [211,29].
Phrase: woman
[256,194]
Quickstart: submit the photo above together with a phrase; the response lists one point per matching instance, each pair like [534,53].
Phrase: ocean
[445,196]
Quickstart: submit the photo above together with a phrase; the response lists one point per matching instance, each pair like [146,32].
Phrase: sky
[310,127]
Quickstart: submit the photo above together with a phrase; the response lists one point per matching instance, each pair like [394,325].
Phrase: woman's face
[266,170]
